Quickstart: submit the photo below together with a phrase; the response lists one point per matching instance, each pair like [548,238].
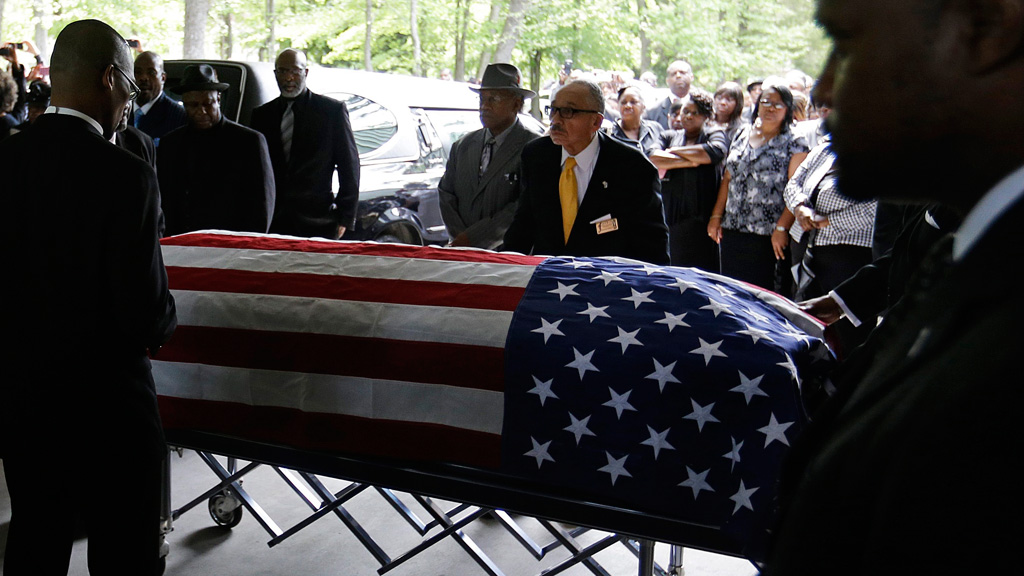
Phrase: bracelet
[716,216]
[781,229]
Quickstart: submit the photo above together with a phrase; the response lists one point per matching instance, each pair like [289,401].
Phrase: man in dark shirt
[214,173]
[310,138]
[77,398]
[155,112]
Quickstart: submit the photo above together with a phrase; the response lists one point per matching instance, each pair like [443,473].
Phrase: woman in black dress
[692,160]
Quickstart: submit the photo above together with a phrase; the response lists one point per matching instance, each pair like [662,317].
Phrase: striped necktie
[568,195]
[485,156]
[287,127]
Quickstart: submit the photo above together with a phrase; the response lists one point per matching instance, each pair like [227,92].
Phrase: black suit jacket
[82,307]
[909,469]
[322,142]
[137,142]
[165,116]
[219,178]
[625,185]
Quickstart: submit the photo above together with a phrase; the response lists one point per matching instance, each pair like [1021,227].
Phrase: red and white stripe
[382,349]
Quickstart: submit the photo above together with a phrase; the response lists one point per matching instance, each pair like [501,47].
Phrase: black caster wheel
[225,509]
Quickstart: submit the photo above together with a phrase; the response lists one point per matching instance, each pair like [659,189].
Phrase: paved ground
[199,547]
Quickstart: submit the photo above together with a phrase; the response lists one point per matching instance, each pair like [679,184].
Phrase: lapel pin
[605,184]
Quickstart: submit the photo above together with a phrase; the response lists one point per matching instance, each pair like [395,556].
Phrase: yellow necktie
[568,196]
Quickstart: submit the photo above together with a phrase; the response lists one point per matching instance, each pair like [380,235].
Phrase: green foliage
[722,39]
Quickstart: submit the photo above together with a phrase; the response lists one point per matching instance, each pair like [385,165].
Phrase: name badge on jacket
[606,224]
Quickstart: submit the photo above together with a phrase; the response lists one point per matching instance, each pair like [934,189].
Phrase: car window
[372,124]
[453,124]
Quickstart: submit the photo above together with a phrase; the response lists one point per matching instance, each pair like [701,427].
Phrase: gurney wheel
[225,509]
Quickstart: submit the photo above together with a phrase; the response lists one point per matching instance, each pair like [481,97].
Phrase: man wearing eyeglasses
[481,183]
[585,193]
[86,309]
[155,112]
[309,137]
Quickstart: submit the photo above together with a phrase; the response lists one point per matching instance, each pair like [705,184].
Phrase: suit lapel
[594,200]
[502,155]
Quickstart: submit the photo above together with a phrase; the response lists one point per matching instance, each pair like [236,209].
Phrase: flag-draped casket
[651,388]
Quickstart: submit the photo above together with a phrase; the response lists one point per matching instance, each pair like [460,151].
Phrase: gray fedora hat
[200,77]
[504,77]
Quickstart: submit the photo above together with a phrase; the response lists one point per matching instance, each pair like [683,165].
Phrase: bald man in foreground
[83,311]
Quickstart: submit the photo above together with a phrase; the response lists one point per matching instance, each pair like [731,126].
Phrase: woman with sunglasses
[750,221]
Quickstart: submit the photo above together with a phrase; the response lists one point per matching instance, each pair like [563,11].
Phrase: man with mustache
[155,113]
[585,193]
[908,468]
[309,137]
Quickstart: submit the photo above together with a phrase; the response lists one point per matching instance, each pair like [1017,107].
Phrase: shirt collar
[587,157]
[500,138]
[145,108]
[992,205]
[65,111]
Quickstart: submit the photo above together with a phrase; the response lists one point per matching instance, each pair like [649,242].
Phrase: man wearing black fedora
[214,173]
[480,187]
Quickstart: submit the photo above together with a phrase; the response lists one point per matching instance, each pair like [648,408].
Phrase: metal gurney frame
[485,490]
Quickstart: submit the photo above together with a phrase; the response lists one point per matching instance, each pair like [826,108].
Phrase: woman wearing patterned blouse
[750,221]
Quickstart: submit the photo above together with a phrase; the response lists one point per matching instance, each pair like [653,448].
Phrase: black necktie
[287,127]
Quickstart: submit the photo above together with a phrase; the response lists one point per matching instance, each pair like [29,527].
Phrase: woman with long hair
[750,221]
[729,109]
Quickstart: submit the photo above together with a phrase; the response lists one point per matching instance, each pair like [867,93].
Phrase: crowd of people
[905,468]
[215,173]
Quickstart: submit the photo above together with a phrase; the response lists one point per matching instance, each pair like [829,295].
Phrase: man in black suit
[77,401]
[214,173]
[155,113]
[909,468]
[310,138]
[584,193]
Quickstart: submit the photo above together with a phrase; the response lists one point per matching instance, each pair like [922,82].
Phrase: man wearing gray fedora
[480,186]
[214,173]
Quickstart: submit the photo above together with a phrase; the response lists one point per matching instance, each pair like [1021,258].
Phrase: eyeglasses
[566,113]
[289,71]
[770,104]
[133,88]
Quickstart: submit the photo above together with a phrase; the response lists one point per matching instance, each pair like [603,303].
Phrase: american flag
[382,349]
[670,388]
[664,388]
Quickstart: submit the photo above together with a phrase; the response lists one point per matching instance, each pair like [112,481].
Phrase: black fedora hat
[200,77]
[504,77]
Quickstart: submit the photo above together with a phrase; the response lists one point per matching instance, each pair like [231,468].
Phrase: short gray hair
[594,93]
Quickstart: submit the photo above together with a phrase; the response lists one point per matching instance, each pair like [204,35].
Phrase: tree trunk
[510,33]
[462,20]
[535,82]
[367,52]
[194,45]
[269,51]
[645,42]
[227,39]
[417,58]
[40,38]
[488,52]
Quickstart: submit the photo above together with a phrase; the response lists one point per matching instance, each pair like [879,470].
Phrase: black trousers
[751,258]
[65,488]
[689,245]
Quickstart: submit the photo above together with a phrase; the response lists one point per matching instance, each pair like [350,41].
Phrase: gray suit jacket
[483,206]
